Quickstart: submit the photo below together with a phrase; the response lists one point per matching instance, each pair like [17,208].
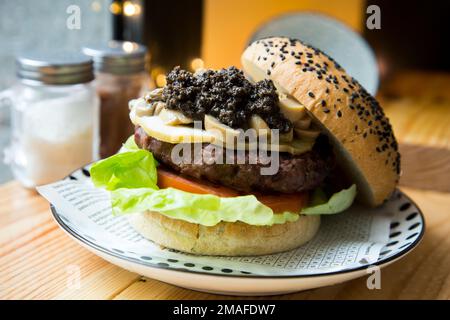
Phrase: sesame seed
[311,94]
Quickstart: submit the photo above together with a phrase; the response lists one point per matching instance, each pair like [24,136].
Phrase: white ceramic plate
[406,230]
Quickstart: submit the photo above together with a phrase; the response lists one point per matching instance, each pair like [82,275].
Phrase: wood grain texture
[425,167]
[37,260]
[421,122]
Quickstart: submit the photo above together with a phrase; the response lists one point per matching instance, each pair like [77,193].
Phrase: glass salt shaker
[54,117]
[120,77]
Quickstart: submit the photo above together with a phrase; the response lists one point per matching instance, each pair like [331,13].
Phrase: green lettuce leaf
[338,202]
[129,169]
[131,178]
[129,145]
[207,210]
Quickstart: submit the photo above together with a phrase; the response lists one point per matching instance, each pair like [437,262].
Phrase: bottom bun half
[225,238]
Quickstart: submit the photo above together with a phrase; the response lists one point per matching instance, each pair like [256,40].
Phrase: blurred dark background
[413,35]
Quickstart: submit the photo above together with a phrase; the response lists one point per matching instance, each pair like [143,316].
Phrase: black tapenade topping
[225,94]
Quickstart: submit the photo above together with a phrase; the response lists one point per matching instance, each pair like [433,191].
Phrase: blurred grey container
[334,38]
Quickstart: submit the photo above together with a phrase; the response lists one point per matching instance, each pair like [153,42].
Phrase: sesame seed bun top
[361,134]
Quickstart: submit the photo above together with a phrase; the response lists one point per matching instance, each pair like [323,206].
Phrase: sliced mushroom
[308,134]
[220,130]
[287,137]
[261,127]
[257,123]
[159,106]
[155,127]
[173,117]
[141,107]
[297,146]
[303,123]
[154,95]
[291,108]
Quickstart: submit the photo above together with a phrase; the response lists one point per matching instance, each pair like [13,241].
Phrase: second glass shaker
[120,77]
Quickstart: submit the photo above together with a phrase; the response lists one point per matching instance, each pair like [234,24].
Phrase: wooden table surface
[37,258]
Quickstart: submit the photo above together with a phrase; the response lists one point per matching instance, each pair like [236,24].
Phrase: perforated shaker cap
[55,68]
[118,57]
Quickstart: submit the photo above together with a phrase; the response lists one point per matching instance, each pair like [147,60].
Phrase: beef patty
[296,173]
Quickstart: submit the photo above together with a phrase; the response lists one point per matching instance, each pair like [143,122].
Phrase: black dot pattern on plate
[163,264]
[394,225]
[405,206]
[405,227]
[412,236]
[146,258]
[393,243]
[395,234]
[415,225]
[86,172]
[412,216]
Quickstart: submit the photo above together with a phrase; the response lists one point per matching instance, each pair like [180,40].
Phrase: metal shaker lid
[55,68]
[118,57]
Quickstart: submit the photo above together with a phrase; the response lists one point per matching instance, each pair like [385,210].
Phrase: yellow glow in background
[228,24]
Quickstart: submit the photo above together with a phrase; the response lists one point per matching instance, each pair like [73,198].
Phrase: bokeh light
[197,64]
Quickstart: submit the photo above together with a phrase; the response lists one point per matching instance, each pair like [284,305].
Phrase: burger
[230,162]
